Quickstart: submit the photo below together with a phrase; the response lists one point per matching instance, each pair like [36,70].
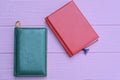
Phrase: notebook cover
[71,28]
[30,52]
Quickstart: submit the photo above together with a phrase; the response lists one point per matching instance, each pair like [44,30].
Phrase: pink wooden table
[102,62]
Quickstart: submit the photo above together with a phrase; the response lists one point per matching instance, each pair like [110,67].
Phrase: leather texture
[71,28]
[30,56]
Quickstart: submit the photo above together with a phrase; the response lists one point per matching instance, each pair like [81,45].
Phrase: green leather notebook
[30,52]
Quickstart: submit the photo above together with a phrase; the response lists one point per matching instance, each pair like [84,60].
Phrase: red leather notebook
[71,28]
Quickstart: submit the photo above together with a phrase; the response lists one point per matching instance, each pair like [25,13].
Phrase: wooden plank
[94,66]
[100,12]
[108,41]
[29,12]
